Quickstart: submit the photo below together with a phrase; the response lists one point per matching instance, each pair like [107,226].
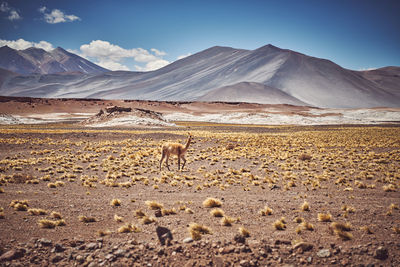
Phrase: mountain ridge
[298,77]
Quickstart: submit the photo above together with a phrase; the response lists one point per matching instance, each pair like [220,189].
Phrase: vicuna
[177,149]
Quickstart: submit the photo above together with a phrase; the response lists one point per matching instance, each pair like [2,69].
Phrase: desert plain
[249,195]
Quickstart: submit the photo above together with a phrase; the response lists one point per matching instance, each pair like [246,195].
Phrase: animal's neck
[187,143]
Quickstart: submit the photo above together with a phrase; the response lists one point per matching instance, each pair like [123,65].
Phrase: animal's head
[189,135]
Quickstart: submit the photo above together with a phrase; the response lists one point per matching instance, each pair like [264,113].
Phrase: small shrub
[56,215]
[60,222]
[118,218]
[86,219]
[212,203]
[265,211]
[115,202]
[227,221]
[280,224]
[154,205]
[217,212]
[44,223]
[305,206]
[324,217]
[129,228]
[244,232]
[37,212]
[102,233]
[196,230]
[147,220]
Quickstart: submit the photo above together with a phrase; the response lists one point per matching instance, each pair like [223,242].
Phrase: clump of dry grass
[115,202]
[61,222]
[49,224]
[19,205]
[86,219]
[307,226]
[324,217]
[244,232]
[118,218]
[305,206]
[189,211]
[36,212]
[139,213]
[56,215]
[154,205]
[217,212]
[305,157]
[166,212]
[366,229]
[129,228]
[227,221]
[196,230]
[2,216]
[389,188]
[212,203]
[148,220]
[396,229]
[280,224]
[393,206]
[298,220]
[1,190]
[102,233]
[342,230]
[266,211]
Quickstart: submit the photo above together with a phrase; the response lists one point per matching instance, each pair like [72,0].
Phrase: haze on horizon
[146,35]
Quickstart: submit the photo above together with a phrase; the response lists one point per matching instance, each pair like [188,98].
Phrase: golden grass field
[334,187]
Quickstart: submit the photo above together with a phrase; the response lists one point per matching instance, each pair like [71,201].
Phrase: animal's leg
[166,161]
[184,162]
[162,159]
[179,161]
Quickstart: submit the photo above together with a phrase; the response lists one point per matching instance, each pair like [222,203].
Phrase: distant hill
[265,75]
[36,60]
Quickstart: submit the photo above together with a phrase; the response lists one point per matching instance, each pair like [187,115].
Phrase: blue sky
[144,35]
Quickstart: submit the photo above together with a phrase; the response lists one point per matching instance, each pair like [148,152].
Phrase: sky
[147,34]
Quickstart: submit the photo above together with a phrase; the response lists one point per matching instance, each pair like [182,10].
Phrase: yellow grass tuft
[148,220]
[298,220]
[61,222]
[166,212]
[244,232]
[265,211]
[196,230]
[86,219]
[154,205]
[189,211]
[324,217]
[139,213]
[393,206]
[396,229]
[217,212]
[44,223]
[389,188]
[102,233]
[307,226]
[227,221]
[37,212]
[341,226]
[118,218]
[212,203]
[280,224]
[305,206]
[19,205]
[129,228]
[115,202]
[342,230]
[366,229]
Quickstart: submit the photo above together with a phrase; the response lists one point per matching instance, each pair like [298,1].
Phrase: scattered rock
[324,253]
[45,242]
[56,258]
[164,235]
[239,238]
[120,252]
[303,246]
[91,246]
[381,253]
[117,109]
[188,240]
[58,248]
[79,259]
[158,213]
[12,255]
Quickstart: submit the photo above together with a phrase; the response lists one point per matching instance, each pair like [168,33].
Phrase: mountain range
[268,75]
[37,60]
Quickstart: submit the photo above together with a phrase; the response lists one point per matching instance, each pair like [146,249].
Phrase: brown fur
[176,149]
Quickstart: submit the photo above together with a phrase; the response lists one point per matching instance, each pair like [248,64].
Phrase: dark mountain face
[264,75]
[36,60]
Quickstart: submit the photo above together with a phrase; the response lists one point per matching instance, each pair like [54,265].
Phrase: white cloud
[183,56]
[111,55]
[12,12]
[56,16]
[158,52]
[21,44]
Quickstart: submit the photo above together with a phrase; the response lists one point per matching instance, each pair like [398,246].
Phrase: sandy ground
[348,172]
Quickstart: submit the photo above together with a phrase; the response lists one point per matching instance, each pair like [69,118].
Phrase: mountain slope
[286,74]
[252,93]
[36,60]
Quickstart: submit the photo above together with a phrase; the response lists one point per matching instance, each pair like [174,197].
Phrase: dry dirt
[351,173]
